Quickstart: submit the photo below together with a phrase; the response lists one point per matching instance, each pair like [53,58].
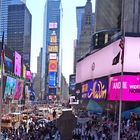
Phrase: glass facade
[4,15]
[79,16]
[52,17]
[19,31]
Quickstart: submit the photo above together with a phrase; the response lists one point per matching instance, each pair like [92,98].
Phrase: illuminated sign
[53,65]
[94,63]
[52,79]
[53,37]
[52,55]
[130,88]
[94,89]
[53,25]
[52,48]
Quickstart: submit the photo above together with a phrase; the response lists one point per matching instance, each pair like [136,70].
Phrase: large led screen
[130,88]
[28,74]
[10,87]
[17,67]
[52,78]
[8,60]
[24,71]
[72,83]
[99,63]
[8,64]
[52,65]
[19,90]
[94,89]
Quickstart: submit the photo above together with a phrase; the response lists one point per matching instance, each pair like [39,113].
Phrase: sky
[69,31]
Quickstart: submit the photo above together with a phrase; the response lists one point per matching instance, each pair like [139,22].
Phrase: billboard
[53,25]
[28,74]
[10,87]
[52,79]
[24,71]
[53,56]
[130,88]
[52,91]
[52,48]
[72,83]
[9,60]
[19,89]
[9,64]
[93,89]
[52,65]
[99,63]
[17,66]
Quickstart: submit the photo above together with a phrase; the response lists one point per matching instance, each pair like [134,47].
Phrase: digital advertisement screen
[9,60]
[24,71]
[19,90]
[52,91]
[52,78]
[72,82]
[100,63]
[28,74]
[8,64]
[52,65]
[95,89]
[17,67]
[53,56]
[10,87]
[130,90]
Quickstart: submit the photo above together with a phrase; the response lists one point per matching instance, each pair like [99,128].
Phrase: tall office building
[107,14]
[19,31]
[80,10]
[85,30]
[4,15]
[51,57]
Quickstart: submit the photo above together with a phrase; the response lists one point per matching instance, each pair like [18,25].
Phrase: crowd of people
[32,130]
[98,127]
[102,128]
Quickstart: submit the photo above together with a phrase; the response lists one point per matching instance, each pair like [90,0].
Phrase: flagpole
[1,87]
[122,61]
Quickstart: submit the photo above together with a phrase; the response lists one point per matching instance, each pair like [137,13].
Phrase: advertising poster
[72,84]
[52,91]
[52,48]
[19,89]
[10,87]
[28,74]
[95,89]
[130,88]
[17,67]
[52,65]
[8,64]
[24,71]
[9,60]
[52,78]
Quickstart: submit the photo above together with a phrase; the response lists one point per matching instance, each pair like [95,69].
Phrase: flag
[116,59]
[121,45]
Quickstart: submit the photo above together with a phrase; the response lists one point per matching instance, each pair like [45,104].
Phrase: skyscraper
[51,58]
[80,10]
[107,14]
[19,31]
[4,15]
[85,30]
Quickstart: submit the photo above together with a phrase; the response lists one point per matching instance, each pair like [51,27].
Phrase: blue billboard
[95,89]
[52,79]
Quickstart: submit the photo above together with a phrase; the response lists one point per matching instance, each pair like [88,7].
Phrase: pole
[1,82]
[121,88]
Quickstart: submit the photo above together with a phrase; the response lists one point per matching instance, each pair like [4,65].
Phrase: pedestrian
[54,114]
